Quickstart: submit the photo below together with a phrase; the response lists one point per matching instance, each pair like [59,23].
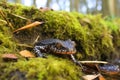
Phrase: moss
[7,43]
[39,68]
[91,33]
[94,35]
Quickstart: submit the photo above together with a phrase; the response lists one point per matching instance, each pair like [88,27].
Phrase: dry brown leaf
[44,9]
[26,53]
[101,77]
[9,57]
[29,26]
[90,77]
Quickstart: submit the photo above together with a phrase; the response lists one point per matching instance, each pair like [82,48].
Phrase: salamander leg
[38,52]
[75,61]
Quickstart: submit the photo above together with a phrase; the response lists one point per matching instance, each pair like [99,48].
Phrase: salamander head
[66,47]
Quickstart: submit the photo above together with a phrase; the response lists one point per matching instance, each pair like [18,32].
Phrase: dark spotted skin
[110,67]
[56,46]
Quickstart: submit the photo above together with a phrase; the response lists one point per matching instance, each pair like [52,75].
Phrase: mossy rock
[96,38]
[52,68]
[92,34]
[7,43]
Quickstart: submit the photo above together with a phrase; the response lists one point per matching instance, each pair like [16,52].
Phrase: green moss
[39,68]
[7,44]
[93,34]
[60,24]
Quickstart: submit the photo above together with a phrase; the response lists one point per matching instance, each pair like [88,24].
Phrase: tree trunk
[105,8]
[117,10]
[71,5]
[34,3]
[86,4]
[112,7]
[108,7]
[76,5]
[96,10]
[48,3]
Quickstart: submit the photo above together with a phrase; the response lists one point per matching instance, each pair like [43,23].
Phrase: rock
[9,57]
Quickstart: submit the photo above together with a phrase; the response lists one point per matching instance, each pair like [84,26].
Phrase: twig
[20,16]
[96,65]
[3,21]
[4,17]
[36,39]
[25,45]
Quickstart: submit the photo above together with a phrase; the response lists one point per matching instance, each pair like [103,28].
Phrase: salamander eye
[73,43]
[58,45]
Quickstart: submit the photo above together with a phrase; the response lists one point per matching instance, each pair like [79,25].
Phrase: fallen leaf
[90,77]
[26,53]
[101,77]
[29,26]
[9,57]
